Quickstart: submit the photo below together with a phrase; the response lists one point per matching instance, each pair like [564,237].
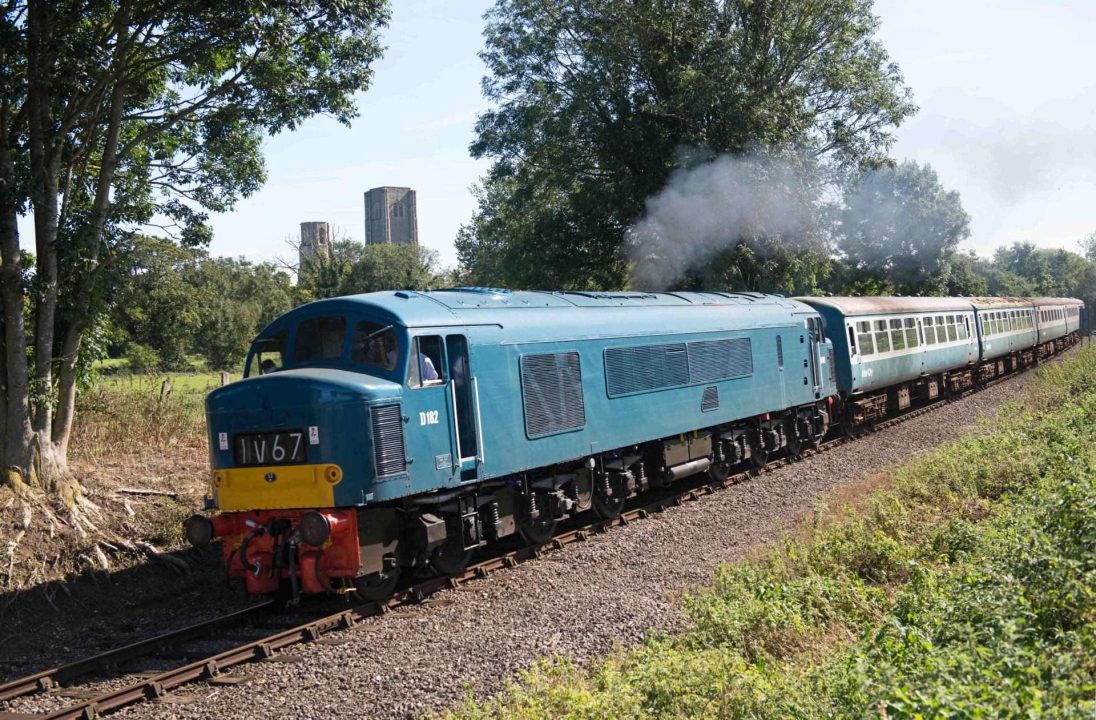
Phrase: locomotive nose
[296,439]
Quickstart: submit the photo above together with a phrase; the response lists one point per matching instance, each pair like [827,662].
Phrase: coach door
[464,396]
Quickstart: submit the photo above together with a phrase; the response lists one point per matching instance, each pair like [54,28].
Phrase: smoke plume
[706,209]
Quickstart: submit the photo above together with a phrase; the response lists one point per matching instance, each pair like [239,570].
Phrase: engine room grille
[388,454]
[647,367]
[551,391]
[720,359]
[710,399]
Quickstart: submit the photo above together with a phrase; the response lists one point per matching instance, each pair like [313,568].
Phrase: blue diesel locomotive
[381,432]
[401,430]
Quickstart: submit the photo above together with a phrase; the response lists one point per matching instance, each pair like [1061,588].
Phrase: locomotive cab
[312,432]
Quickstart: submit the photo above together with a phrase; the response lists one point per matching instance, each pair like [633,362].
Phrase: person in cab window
[390,350]
[268,366]
[429,372]
[383,350]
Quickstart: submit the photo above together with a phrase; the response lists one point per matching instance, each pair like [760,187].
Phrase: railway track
[121,689]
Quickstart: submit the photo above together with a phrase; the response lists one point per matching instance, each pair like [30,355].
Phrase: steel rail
[159,685]
[106,661]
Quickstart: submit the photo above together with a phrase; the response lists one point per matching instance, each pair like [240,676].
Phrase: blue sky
[1007,118]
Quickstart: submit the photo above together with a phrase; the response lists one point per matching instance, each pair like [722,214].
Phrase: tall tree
[116,112]
[353,268]
[239,299]
[1088,247]
[597,102]
[900,225]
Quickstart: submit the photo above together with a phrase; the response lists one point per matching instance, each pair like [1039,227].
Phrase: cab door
[429,411]
[464,396]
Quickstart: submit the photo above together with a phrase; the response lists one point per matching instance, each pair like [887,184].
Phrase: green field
[965,588]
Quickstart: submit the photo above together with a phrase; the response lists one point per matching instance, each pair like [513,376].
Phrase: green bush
[141,358]
[966,588]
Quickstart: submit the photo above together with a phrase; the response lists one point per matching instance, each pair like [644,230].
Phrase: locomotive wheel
[377,586]
[607,508]
[538,530]
[450,559]
[720,471]
[795,447]
[759,458]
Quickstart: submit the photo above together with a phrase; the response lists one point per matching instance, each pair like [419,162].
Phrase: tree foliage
[598,102]
[352,268]
[114,114]
[901,226]
[178,303]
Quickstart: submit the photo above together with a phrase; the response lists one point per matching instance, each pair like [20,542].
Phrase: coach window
[375,345]
[898,341]
[319,340]
[427,365]
[964,327]
[911,332]
[882,339]
[930,331]
[863,338]
[952,333]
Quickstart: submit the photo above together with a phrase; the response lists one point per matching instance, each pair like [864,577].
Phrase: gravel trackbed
[576,602]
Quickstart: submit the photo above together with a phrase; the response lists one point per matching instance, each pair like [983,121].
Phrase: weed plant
[127,415]
[965,587]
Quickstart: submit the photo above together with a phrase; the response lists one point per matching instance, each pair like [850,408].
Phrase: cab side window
[427,366]
[319,339]
[268,354]
[375,345]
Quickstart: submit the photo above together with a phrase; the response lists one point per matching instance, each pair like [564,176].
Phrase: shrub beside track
[961,589]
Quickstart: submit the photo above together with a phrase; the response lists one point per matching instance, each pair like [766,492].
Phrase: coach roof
[1041,301]
[888,305]
[1001,303]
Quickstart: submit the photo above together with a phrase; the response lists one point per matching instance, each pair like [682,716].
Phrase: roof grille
[388,454]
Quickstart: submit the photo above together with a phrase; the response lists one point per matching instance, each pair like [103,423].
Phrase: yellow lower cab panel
[276,487]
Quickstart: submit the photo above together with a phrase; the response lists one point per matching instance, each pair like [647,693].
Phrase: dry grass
[126,437]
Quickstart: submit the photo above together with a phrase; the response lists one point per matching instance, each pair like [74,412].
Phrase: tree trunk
[17,446]
[66,389]
[44,167]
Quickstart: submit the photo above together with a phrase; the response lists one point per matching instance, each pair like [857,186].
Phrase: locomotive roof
[885,305]
[480,306]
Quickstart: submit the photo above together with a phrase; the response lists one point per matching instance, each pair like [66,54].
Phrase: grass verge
[964,588]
